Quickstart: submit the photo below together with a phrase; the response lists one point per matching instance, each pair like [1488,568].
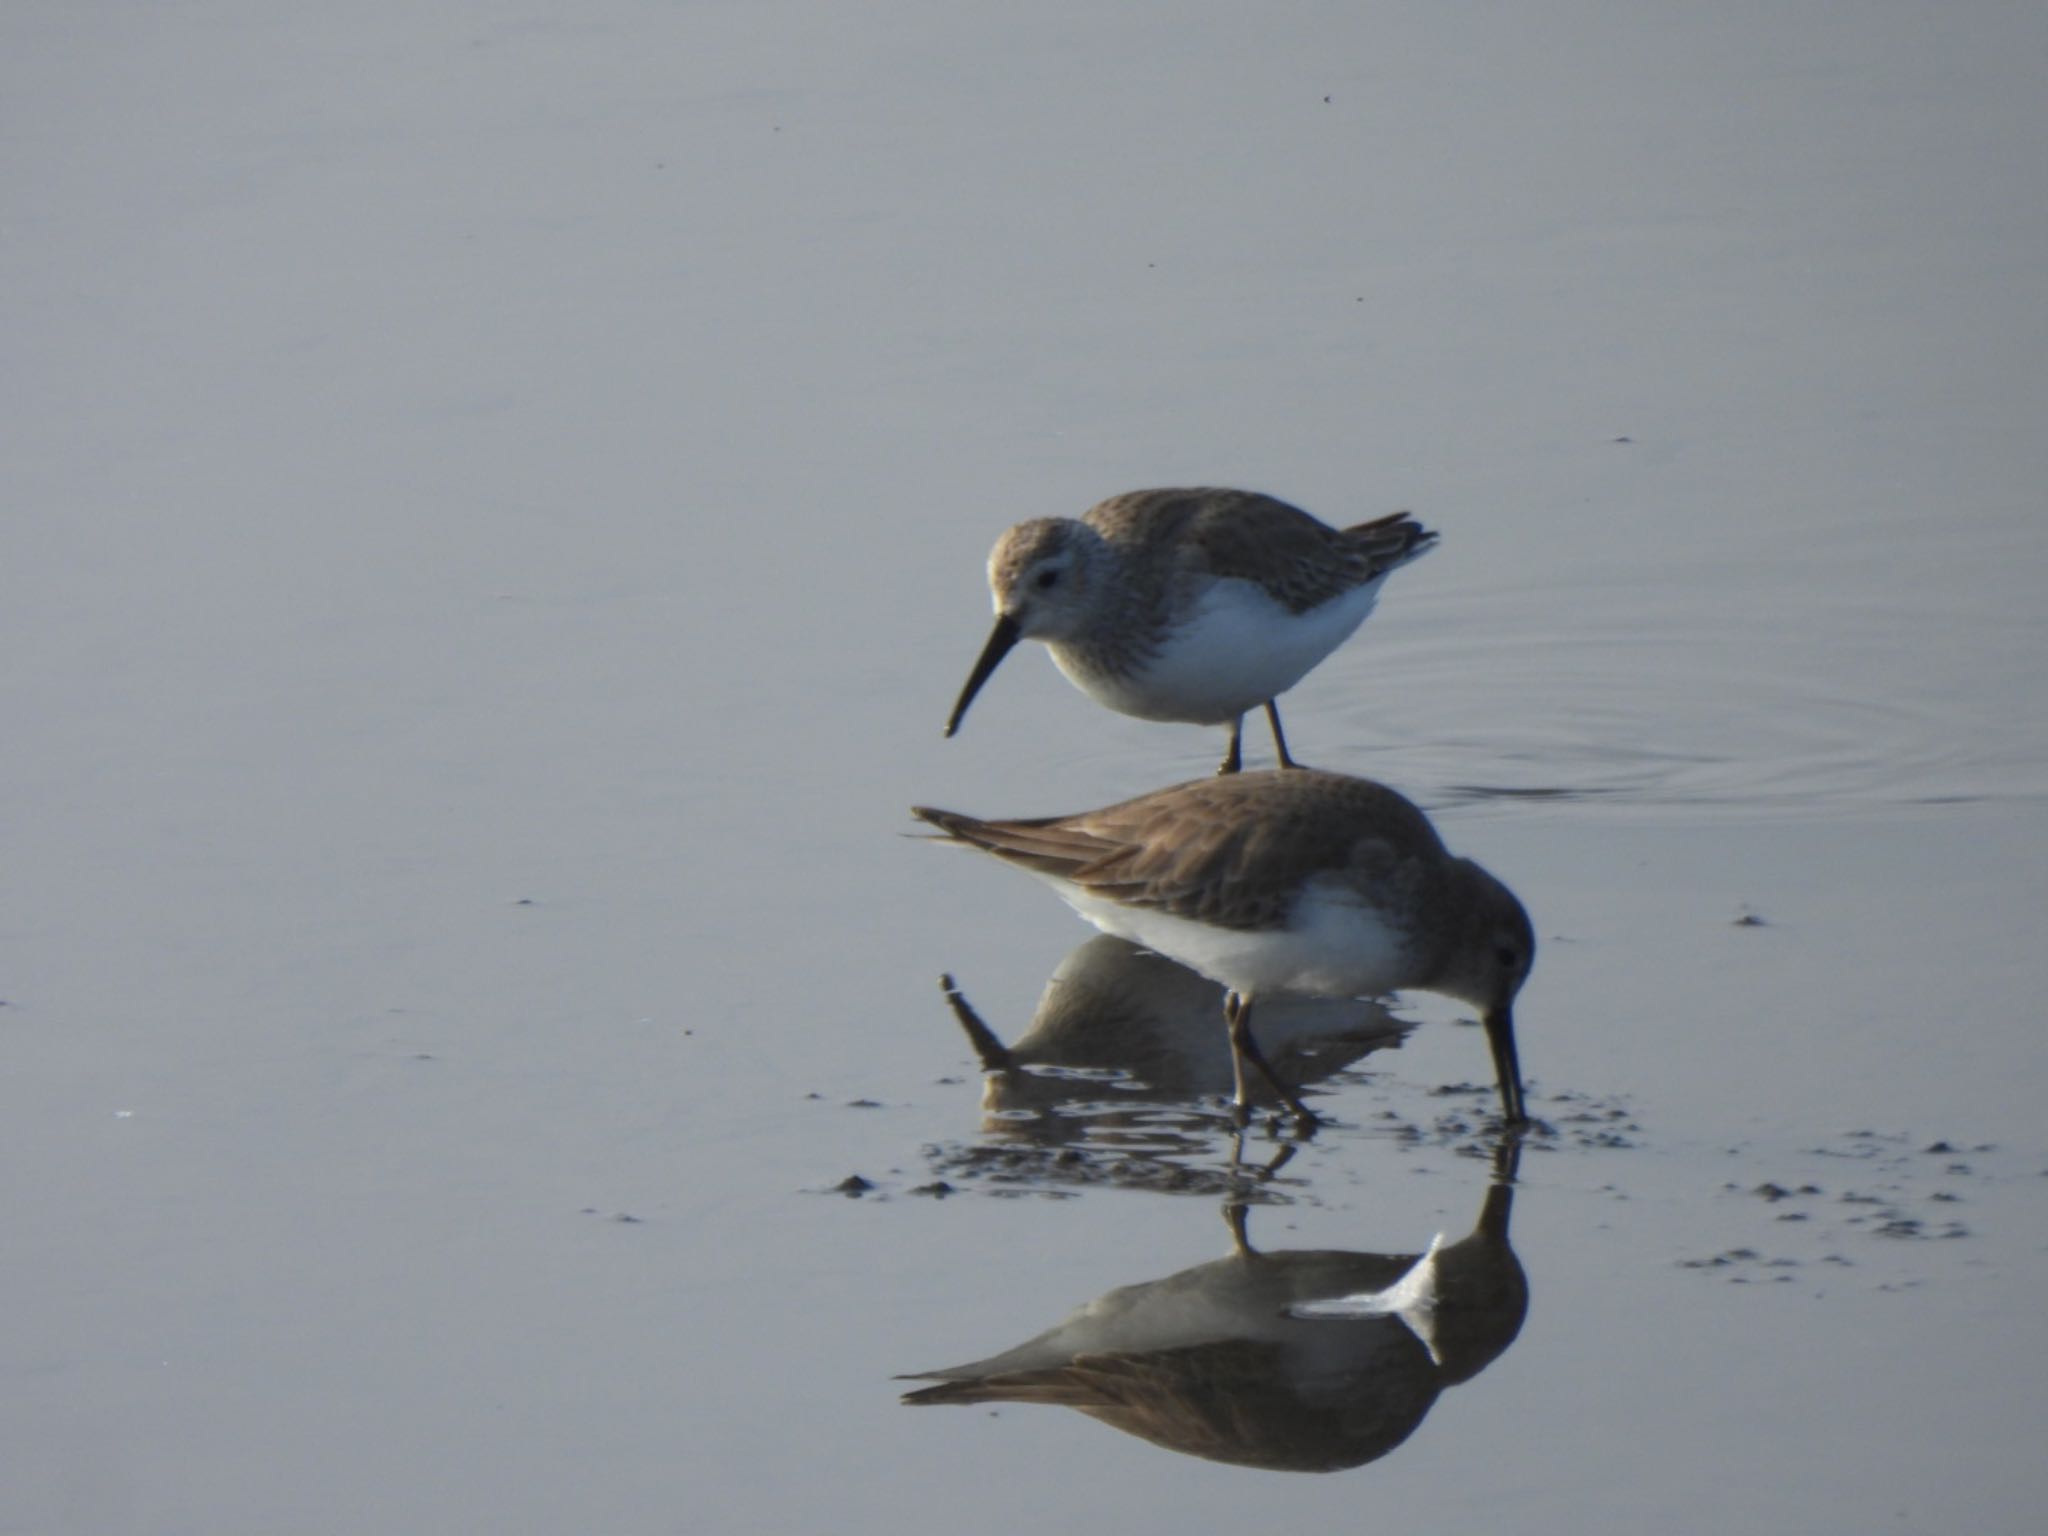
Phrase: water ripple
[1502,702]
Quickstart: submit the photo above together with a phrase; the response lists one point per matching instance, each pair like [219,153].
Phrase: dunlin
[1285,881]
[1193,605]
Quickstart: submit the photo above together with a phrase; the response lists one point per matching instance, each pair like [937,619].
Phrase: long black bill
[1500,1034]
[1000,640]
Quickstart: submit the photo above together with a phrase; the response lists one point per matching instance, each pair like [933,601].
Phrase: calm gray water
[495,505]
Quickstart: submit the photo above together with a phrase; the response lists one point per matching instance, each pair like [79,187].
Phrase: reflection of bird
[1112,1007]
[1218,1361]
[1191,605]
[1298,882]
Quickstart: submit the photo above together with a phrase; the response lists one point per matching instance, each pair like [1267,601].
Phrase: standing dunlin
[1285,881]
[1193,605]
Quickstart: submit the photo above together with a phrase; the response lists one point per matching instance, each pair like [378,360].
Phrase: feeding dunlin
[1193,605]
[1285,881]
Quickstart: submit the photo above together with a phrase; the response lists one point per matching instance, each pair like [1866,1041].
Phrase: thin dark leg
[1234,758]
[1279,741]
[1237,1012]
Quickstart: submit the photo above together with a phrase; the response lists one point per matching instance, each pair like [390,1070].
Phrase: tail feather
[1045,846]
[1391,541]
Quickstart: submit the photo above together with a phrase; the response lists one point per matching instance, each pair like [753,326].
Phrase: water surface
[495,514]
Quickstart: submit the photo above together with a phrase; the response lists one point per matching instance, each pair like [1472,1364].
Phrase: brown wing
[1231,851]
[1254,537]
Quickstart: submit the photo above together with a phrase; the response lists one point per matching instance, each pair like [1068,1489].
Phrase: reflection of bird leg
[1241,1099]
[1235,1213]
[1237,1013]
[1280,1159]
[994,1055]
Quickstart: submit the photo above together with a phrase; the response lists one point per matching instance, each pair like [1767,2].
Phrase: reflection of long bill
[1001,641]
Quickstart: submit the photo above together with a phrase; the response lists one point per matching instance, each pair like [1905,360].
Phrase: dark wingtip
[1392,541]
[1421,540]
[948,822]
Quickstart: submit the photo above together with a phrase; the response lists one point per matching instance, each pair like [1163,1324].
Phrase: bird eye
[1047,579]
[1507,957]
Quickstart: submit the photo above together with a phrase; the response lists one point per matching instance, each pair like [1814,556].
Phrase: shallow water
[496,514]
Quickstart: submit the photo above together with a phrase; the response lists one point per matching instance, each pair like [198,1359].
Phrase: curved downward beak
[1000,640]
[1500,1035]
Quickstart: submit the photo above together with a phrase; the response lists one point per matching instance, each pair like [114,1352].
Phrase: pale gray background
[476,454]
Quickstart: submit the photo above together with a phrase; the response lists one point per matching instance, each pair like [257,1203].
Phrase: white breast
[1237,649]
[1332,946]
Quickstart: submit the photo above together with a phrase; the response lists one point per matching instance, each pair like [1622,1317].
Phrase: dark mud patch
[1872,1198]
[1565,1122]
[1013,1169]
[1187,1152]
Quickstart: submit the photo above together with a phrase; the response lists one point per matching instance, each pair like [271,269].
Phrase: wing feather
[1232,851]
